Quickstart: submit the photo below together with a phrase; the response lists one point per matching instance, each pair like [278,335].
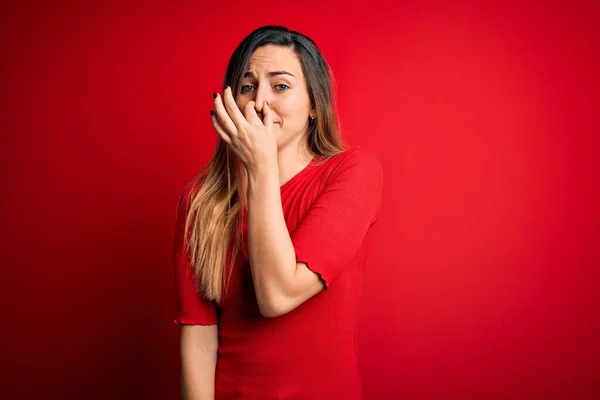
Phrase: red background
[484,278]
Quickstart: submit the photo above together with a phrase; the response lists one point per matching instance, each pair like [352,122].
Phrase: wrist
[263,175]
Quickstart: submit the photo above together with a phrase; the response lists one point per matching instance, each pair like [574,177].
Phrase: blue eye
[280,88]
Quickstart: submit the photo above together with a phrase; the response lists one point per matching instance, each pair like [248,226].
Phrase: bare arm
[280,283]
[198,347]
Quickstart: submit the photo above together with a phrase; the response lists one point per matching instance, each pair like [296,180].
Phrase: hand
[252,140]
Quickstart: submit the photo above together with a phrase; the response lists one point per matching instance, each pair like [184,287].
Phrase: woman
[273,234]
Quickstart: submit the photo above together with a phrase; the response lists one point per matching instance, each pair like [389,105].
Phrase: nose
[262,94]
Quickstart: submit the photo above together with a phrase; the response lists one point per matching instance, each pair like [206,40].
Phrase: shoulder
[357,161]
[362,155]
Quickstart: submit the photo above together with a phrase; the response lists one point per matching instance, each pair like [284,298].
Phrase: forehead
[276,58]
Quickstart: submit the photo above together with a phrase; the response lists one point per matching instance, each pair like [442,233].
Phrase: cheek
[290,109]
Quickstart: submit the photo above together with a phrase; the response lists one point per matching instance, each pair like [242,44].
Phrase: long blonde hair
[218,194]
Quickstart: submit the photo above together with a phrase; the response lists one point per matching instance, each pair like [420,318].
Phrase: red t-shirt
[330,207]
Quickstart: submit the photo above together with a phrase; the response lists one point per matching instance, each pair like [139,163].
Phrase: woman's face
[275,76]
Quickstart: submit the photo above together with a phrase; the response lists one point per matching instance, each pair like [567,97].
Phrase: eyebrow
[270,74]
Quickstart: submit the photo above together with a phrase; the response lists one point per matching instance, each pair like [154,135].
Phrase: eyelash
[281,84]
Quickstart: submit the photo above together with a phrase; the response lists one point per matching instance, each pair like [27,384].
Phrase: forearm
[198,351]
[272,256]
[198,376]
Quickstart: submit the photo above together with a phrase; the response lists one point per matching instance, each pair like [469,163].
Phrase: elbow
[274,307]
[269,312]
[275,298]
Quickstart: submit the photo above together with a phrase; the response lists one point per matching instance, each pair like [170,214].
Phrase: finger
[268,115]
[250,113]
[218,128]
[223,117]
[233,110]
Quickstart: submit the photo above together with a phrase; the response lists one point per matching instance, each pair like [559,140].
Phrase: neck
[292,159]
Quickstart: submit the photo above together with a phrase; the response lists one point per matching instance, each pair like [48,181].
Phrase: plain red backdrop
[484,277]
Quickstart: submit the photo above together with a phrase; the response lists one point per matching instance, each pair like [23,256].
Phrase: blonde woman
[273,234]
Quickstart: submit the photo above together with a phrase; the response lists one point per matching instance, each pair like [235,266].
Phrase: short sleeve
[333,230]
[192,308]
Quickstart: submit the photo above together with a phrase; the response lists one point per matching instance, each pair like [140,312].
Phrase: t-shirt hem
[188,321]
[322,275]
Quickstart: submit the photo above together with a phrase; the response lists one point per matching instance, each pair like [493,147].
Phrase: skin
[266,125]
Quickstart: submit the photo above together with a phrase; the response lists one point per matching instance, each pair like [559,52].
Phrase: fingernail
[214,95]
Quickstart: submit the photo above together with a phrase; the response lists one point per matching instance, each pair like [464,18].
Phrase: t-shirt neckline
[300,173]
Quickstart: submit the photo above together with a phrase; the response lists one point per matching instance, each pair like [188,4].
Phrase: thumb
[268,120]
